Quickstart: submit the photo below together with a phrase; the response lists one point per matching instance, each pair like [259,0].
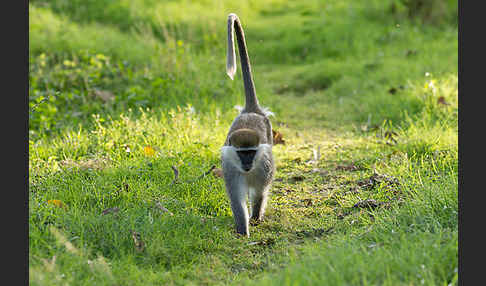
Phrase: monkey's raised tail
[234,26]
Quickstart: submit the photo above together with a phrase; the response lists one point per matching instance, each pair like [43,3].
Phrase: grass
[122,93]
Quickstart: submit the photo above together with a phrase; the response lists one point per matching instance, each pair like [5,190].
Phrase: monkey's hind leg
[258,200]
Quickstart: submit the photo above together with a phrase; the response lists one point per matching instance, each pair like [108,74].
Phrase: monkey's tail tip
[230,73]
[231,56]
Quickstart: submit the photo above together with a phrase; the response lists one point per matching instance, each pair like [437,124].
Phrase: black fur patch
[246,158]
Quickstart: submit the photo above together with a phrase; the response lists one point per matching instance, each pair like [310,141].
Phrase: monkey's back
[257,122]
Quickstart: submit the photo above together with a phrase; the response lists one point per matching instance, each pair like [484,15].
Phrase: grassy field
[129,106]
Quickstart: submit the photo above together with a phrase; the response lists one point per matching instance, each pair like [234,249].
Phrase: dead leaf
[85,164]
[110,211]
[100,264]
[297,160]
[123,188]
[204,174]
[368,203]
[390,135]
[376,179]
[49,265]
[137,239]
[411,53]
[308,202]
[314,232]
[149,151]
[350,167]
[324,193]
[268,242]
[352,190]
[288,191]
[441,100]
[297,178]
[342,215]
[277,138]
[162,208]
[217,172]
[316,156]
[63,240]
[176,174]
[57,203]
[103,95]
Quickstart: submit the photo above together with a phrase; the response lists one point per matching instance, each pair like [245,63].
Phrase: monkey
[246,156]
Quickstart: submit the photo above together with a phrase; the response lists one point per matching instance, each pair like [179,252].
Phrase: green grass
[122,92]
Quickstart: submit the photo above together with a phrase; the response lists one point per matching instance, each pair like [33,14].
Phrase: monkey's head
[246,142]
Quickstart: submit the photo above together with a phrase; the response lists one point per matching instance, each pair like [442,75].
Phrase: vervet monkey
[247,159]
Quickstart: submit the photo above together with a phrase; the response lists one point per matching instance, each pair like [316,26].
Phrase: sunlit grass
[130,105]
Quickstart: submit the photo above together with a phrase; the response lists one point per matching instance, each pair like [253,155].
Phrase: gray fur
[256,182]
[234,27]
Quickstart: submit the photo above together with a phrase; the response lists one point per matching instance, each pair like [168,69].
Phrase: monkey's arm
[237,190]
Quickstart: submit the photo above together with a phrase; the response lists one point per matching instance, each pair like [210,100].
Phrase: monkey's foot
[255,221]
[242,235]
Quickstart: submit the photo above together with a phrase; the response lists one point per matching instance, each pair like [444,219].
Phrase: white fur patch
[239,108]
[228,154]
[261,150]
[231,54]
[265,110]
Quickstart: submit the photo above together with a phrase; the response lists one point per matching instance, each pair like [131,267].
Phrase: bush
[430,11]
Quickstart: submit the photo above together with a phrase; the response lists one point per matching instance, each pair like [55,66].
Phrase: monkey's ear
[244,138]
